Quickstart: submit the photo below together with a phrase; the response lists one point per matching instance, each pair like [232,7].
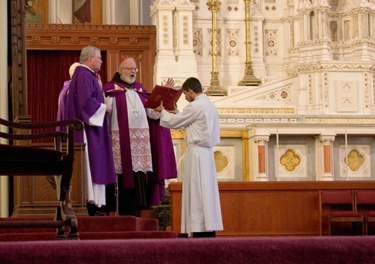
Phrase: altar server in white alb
[201,212]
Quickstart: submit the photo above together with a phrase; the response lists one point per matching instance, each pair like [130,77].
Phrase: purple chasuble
[82,102]
[61,104]
[163,158]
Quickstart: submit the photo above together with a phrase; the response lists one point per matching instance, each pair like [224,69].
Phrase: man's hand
[169,83]
[108,108]
[174,111]
[160,107]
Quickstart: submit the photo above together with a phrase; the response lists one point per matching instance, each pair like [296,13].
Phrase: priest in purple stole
[143,150]
[85,101]
[62,95]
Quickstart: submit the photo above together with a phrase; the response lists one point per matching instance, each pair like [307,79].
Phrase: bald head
[128,70]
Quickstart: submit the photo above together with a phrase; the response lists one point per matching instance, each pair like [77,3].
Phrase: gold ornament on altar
[290,160]
[354,160]
[215,89]
[249,79]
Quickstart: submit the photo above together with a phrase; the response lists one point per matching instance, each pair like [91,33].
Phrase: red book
[168,95]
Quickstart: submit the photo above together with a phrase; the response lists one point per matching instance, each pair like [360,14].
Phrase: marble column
[327,154]
[262,173]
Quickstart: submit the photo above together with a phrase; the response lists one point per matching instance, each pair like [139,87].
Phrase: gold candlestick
[249,79]
[215,88]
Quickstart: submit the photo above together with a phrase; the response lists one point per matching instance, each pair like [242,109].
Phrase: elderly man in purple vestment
[85,101]
[142,149]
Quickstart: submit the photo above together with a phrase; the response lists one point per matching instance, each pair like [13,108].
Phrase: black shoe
[204,234]
[91,209]
[101,211]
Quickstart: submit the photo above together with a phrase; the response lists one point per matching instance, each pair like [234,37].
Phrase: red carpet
[185,250]
[129,239]
[91,227]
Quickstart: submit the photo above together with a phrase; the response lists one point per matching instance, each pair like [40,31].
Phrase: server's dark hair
[193,84]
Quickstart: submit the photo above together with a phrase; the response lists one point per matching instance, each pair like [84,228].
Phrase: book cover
[168,95]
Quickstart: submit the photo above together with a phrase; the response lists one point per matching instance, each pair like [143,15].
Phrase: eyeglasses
[131,69]
[99,58]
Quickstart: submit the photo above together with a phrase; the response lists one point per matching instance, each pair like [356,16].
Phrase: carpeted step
[27,225]
[89,235]
[127,235]
[116,223]
[89,227]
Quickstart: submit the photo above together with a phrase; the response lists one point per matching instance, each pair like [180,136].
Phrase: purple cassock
[82,101]
[61,104]
[163,158]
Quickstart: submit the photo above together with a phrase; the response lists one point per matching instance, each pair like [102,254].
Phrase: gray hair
[87,52]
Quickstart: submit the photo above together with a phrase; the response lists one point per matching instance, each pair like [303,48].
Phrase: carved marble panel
[225,162]
[356,165]
[346,96]
[292,158]
[197,42]
[228,158]
[355,161]
[291,161]
[232,42]
[271,45]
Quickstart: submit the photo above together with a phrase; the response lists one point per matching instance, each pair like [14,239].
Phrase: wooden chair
[23,158]
[338,206]
[365,202]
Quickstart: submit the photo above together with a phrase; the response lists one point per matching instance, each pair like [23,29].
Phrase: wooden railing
[268,208]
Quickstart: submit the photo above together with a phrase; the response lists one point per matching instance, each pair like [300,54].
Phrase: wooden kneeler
[23,158]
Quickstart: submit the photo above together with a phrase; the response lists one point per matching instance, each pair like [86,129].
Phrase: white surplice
[201,210]
[139,133]
[95,191]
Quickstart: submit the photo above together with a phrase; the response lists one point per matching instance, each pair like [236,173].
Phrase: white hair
[73,68]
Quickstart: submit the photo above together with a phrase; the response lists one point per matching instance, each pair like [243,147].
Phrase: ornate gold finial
[249,79]
[215,89]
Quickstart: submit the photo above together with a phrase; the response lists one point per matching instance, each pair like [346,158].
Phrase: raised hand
[169,83]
